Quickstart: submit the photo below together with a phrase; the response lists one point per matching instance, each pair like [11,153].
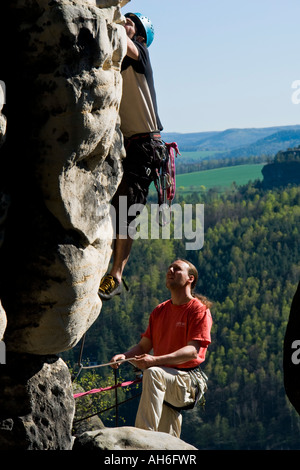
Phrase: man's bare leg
[121,254]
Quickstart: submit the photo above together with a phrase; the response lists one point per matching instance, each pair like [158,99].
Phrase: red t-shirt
[171,327]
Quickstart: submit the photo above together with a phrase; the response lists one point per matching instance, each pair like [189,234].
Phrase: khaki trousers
[164,384]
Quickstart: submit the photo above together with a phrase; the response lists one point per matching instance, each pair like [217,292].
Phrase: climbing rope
[165,183]
[107,409]
[104,389]
[82,367]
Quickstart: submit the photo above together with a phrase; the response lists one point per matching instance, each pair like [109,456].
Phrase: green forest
[249,267]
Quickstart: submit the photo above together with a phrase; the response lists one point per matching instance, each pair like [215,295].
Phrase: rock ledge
[128,438]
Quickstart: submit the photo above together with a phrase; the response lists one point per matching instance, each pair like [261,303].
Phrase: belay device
[165,182]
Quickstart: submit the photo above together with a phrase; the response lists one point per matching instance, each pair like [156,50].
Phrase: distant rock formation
[281,174]
[284,170]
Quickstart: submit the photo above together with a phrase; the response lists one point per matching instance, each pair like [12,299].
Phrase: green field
[219,177]
[197,156]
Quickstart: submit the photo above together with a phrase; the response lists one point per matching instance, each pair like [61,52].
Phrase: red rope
[97,390]
[173,152]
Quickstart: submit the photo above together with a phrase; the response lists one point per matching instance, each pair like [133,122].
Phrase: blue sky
[221,64]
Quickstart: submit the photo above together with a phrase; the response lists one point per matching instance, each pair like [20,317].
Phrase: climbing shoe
[109,287]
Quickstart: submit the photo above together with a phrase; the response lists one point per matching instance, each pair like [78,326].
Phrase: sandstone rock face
[128,438]
[36,394]
[3,197]
[3,321]
[62,165]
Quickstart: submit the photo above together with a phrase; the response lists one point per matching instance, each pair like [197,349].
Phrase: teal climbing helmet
[143,22]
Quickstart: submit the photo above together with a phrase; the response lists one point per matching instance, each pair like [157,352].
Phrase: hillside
[238,142]
[220,177]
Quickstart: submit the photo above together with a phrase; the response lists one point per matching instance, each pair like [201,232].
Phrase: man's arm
[143,347]
[185,354]
[132,50]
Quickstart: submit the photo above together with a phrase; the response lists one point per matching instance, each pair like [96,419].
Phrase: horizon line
[231,128]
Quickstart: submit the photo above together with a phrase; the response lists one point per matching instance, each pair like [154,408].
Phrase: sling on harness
[199,380]
[164,181]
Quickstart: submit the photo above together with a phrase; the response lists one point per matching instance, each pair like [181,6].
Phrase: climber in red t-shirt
[178,334]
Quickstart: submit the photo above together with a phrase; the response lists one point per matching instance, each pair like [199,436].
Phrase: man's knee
[154,379]
[152,373]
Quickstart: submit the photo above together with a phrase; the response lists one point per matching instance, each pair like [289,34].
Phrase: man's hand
[144,361]
[138,351]
[117,357]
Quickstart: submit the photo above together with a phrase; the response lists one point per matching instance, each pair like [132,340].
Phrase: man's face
[177,275]
[130,28]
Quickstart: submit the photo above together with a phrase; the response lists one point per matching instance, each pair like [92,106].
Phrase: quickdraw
[165,182]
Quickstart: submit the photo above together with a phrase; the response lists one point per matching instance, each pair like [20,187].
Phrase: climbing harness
[165,181]
[199,380]
[161,171]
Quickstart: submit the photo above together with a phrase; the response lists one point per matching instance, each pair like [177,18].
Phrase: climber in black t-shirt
[141,126]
